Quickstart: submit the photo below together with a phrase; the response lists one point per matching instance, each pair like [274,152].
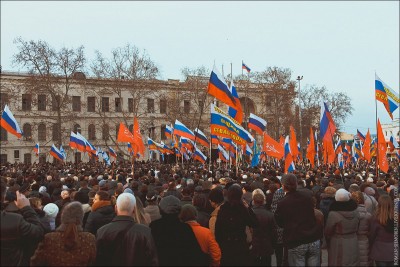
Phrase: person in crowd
[301,232]
[20,232]
[264,236]
[216,198]
[230,228]
[36,204]
[381,236]
[140,215]
[69,245]
[326,199]
[65,198]
[51,211]
[363,229]
[175,241]
[172,190]
[281,257]
[82,196]
[101,214]
[152,206]
[341,231]
[123,242]
[204,236]
[199,202]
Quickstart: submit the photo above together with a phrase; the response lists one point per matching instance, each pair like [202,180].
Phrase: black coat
[20,233]
[123,242]
[295,214]
[98,218]
[176,243]
[264,236]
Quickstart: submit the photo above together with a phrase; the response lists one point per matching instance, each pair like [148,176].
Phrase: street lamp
[299,78]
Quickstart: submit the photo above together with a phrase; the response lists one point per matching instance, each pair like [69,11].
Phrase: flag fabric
[311,151]
[367,147]
[75,141]
[384,94]
[36,149]
[222,154]
[293,143]
[138,144]
[112,152]
[340,160]
[214,139]
[183,131]
[272,148]
[329,152]
[152,145]
[289,164]
[130,149]
[124,135]
[235,112]
[245,67]
[88,146]
[62,151]
[398,154]
[218,88]
[327,126]
[393,143]
[256,156]
[186,143]
[106,158]
[56,153]
[382,160]
[169,131]
[201,138]
[9,123]
[338,146]
[257,124]
[198,155]
[249,152]
[361,136]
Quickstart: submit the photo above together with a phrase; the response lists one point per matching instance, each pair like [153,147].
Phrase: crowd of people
[155,214]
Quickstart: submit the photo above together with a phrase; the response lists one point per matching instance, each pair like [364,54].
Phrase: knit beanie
[72,213]
[342,195]
[51,210]
[170,205]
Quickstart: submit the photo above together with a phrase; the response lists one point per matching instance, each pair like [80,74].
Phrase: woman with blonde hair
[140,215]
[381,236]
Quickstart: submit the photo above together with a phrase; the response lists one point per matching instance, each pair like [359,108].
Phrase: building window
[186,106]
[41,102]
[42,158]
[118,104]
[76,103]
[152,131]
[130,105]
[77,128]
[56,132]
[91,104]
[56,103]
[163,137]
[26,102]
[3,100]
[3,134]
[28,158]
[106,132]
[27,130]
[42,132]
[77,157]
[92,132]
[150,105]
[16,154]
[163,106]
[105,104]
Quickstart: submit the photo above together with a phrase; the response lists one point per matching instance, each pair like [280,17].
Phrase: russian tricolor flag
[187,143]
[112,152]
[152,144]
[214,139]
[201,138]
[183,131]
[327,126]
[56,153]
[361,136]
[76,142]
[36,149]
[245,67]
[218,88]
[198,155]
[289,164]
[235,112]
[248,150]
[9,123]
[222,154]
[257,124]
[169,131]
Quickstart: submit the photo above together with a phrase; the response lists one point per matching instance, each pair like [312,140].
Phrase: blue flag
[256,157]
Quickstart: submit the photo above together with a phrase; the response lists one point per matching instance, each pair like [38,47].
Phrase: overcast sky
[336,44]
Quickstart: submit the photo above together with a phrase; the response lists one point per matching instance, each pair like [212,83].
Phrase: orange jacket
[207,242]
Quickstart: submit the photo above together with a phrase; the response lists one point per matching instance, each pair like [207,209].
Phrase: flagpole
[210,161]
[236,161]
[377,140]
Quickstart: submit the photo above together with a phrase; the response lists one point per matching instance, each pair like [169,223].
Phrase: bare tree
[52,74]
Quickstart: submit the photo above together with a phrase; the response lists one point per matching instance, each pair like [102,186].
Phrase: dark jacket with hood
[99,217]
[381,240]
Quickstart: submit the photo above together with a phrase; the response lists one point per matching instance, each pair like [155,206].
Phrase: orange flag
[282,141]
[329,152]
[311,149]
[382,147]
[293,143]
[272,148]
[138,141]
[366,149]
[124,135]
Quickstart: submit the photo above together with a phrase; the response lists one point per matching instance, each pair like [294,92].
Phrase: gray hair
[126,202]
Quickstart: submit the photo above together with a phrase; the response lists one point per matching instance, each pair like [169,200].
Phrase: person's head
[342,195]
[65,194]
[125,205]
[235,194]
[101,196]
[188,213]
[82,197]
[289,182]
[35,202]
[216,197]
[71,221]
[358,197]
[170,205]
[259,199]
[199,201]
[385,209]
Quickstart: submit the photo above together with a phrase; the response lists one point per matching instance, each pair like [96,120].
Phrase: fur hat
[51,210]
[72,213]
[170,205]
[342,195]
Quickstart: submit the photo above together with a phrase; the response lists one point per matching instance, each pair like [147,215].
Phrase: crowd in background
[164,214]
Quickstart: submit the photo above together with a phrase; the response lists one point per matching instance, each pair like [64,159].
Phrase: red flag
[293,143]
[382,160]
[367,147]
[329,152]
[272,148]
[124,135]
[311,149]
[282,140]
[138,141]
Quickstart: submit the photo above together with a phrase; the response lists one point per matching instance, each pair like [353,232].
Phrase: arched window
[106,132]
[77,128]
[92,132]
[42,132]
[56,132]
[3,134]
[27,130]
